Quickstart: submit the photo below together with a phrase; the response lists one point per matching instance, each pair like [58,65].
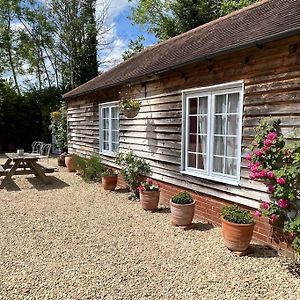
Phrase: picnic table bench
[22,165]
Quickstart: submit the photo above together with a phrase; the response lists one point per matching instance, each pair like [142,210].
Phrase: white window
[212,125]
[109,128]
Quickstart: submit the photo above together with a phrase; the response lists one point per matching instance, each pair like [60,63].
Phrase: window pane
[233,103]
[193,125]
[202,143]
[114,112]
[218,163]
[220,124]
[231,146]
[192,160]
[203,105]
[105,112]
[219,147]
[115,136]
[230,166]
[193,106]
[105,146]
[115,124]
[115,147]
[105,135]
[202,124]
[201,162]
[232,124]
[105,123]
[220,104]
[192,143]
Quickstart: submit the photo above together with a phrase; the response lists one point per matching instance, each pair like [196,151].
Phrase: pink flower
[252,175]
[265,205]
[263,173]
[264,148]
[270,174]
[248,156]
[282,203]
[267,142]
[141,188]
[272,135]
[274,218]
[271,188]
[149,180]
[280,181]
[258,152]
[253,168]
[257,213]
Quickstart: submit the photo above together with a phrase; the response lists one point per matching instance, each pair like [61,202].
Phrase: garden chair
[45,150]
[36,147]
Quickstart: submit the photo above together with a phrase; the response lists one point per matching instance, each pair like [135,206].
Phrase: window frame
[109,152]
[210,92]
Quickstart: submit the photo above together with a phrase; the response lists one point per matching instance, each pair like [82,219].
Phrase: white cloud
[115,7]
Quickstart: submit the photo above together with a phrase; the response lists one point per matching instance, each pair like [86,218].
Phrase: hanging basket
[131,112]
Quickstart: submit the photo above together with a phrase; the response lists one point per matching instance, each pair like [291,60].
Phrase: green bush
[94,169]
[80,164]
[182,198]
[236,215]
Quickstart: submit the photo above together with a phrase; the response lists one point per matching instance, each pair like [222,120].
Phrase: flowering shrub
[276,162]
[148,186]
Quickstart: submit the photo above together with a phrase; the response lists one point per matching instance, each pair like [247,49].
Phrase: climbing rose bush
[275,161]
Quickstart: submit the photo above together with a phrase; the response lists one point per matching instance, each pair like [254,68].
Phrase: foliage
[94,169]
[236,215]
[59,127]
[80,164]
[129,103]
[132,167]
[182,198]
[275,161]
[134,47]
[109,172]
[165,18]
[147,186]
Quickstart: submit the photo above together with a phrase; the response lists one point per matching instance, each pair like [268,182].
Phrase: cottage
[202,94]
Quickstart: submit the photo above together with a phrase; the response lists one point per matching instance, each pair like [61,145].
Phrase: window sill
[210,178]
[110,154]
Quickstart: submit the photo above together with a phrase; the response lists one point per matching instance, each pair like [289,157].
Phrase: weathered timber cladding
[272,87]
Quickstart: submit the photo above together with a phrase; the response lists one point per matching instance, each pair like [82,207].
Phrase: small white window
[109,128]
[212,124]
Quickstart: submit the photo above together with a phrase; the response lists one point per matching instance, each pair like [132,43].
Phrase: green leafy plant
[129,103]
[132,167]
[236,215]
[182,198]
[275,161]
[80,164]
[94,169]
[59,127]
[109,172]
[148,186]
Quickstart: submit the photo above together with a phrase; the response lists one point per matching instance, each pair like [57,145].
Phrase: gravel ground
[73,240]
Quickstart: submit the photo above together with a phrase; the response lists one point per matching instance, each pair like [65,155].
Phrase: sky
[122,31]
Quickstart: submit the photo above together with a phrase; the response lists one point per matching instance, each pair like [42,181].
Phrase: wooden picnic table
[22,165]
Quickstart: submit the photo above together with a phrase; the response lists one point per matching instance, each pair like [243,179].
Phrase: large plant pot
[61,160]
[237,237]
[182,214]
[69,161]
[109,182]
[131,112]
[149,200]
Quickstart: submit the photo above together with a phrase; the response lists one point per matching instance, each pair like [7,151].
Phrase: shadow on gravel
[11,186]
[202,226]
[55,183]
[294,269]
[261,251]
[163,210]
[121,191]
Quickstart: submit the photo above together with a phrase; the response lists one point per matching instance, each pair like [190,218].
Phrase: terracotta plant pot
[131,112]
[109,182]
[237,237]
[69,161]
[182,214]
[61,160]
[149,200]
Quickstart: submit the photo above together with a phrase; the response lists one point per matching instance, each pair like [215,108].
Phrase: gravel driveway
[73,240]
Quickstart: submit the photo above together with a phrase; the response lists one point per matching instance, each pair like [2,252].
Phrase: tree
[168,18]
[134,47]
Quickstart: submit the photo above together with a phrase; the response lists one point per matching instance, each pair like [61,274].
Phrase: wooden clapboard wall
[272,87]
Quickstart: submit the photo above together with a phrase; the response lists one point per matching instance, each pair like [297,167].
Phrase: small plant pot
[61,160]
[131,112]
[109,182]
[182,214]
[69,161]
[237,237]
[149,200]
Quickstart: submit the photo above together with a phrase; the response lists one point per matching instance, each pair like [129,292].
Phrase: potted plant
[237,228]
[149,195]
[80,164]
[69,161]
[109,179]
[130,107]
[182,209]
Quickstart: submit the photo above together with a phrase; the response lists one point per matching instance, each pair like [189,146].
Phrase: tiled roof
[265,21]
